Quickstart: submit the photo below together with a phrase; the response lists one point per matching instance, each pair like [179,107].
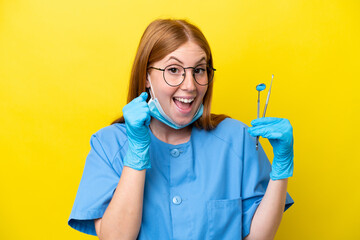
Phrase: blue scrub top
[206,188]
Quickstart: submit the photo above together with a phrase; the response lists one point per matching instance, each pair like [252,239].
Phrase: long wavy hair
[160,38]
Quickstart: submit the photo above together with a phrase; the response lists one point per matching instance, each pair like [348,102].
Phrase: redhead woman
[168,168]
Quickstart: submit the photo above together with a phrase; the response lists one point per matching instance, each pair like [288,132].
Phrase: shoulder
[114,131]
[229,134]
[231,122]
[229,128]
[110,138]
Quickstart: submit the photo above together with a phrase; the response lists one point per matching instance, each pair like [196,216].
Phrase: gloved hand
[280,134]
[137,120]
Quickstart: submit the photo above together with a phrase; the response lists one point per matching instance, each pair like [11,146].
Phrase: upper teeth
[185,100]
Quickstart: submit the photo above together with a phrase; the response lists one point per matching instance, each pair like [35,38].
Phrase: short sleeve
[256,176]
[97,186]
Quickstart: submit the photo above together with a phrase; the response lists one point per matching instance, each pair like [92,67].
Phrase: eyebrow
[172,57]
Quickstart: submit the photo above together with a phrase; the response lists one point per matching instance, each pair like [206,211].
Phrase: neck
[170,135]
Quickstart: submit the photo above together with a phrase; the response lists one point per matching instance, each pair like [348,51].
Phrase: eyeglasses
[175,74]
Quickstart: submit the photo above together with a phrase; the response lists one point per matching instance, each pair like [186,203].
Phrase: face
[180,103]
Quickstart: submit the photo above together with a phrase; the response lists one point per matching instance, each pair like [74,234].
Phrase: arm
[268,215]
[122,218]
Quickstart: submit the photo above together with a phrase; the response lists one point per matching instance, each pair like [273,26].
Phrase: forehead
[187,53]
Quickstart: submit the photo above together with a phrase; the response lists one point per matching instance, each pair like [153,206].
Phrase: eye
[200,70]
[173,69]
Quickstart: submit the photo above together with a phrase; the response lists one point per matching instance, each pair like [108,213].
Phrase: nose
[189,83]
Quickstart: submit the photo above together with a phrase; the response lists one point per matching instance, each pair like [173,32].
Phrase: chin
[183,121]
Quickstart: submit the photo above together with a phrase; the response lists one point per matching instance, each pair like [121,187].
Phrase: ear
[147,83]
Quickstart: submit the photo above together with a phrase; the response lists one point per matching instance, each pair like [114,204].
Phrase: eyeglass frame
[193,74]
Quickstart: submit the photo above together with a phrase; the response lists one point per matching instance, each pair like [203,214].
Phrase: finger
[142,105]
[136,111]
[265,132]
[148,119]
[265,121]
[148,116]
[143,96]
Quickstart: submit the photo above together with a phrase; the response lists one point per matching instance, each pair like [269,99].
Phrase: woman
[169,169]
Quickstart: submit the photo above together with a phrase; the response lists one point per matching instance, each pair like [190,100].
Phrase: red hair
[160,38]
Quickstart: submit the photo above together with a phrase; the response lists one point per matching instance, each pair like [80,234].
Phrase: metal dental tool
[268,96]
[259,88]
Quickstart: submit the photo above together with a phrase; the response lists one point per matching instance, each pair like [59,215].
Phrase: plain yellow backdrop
[64,70]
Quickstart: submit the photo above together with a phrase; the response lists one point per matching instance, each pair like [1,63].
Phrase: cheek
[203,91]
[166,93]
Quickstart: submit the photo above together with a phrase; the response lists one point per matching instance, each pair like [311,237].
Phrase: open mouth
[184,104]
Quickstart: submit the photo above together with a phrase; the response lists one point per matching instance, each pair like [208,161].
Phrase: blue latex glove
[280,134]
[137,121]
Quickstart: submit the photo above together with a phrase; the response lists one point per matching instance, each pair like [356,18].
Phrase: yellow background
[64,70]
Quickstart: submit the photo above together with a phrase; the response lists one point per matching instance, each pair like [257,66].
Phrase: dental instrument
[259,88]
